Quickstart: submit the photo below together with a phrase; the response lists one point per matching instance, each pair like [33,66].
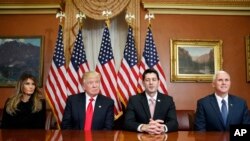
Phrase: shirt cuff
[166,129]
[139,128]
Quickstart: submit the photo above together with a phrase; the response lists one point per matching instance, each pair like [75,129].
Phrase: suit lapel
[215,106]
[231,106]
[97,109]
[145,106]
[158,106]
[81,105]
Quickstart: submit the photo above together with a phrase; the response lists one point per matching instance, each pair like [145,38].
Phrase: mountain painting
[19,55]
[198,60]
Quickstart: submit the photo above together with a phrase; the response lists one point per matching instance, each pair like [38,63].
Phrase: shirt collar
[218,98]
[149,97]
[88,97]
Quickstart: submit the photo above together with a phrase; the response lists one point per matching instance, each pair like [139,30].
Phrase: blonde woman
[26,109]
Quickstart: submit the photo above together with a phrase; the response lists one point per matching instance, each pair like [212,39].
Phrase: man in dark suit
[213,114]
[89,110]
[141,116]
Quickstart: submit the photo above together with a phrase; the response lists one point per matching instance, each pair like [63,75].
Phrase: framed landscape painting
[195,60]
[20,55]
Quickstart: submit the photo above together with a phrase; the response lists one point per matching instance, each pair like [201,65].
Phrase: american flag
[55,88]
[77,67]
[106,67]
[128,74]
[150,59]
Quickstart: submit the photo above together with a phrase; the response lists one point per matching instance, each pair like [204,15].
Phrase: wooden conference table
[63,135]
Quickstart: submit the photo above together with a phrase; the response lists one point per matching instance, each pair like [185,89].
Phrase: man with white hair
[219,110]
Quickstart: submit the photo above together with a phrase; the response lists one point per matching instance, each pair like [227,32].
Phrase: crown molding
[29,8]
[196,8]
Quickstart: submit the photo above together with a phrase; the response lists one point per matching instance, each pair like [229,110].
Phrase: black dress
[24,118]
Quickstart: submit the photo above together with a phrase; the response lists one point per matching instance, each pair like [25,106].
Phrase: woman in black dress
[27,108]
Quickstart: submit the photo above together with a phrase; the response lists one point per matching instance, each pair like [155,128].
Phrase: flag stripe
[72,81]
[107,82]
[123,85]
[58,95]
[104,88]
[106,67]
[77,67]
[162,78]
[129,83]
[128,74]
[150,59]
[107,89]
[55,88]
[134,80]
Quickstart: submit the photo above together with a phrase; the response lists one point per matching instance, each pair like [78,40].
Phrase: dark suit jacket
[209,118]
[74,113]
[137,112]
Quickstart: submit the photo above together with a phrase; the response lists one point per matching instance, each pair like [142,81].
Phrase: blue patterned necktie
[224,111]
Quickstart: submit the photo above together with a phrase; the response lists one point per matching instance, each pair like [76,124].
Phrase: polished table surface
[69,135]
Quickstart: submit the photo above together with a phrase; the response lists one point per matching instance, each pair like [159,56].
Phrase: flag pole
[149,17]
[78,62]
[129,66]
[129,17]
[52,95]
[107,14]
[80,16]
[106,67]
[60,15]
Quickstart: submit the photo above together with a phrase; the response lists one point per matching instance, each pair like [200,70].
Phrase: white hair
[219,72]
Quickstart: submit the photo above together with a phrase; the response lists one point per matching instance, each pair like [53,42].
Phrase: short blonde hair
[91,74]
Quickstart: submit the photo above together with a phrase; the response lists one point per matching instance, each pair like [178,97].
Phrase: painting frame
[195,60]
[248,58]
[20,54]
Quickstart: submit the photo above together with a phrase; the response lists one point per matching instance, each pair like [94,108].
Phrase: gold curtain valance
[94,8]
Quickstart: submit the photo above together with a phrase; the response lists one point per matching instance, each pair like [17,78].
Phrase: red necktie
[89,115]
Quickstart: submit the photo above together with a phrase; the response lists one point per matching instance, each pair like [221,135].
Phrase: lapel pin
[158,100]
[100,106]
